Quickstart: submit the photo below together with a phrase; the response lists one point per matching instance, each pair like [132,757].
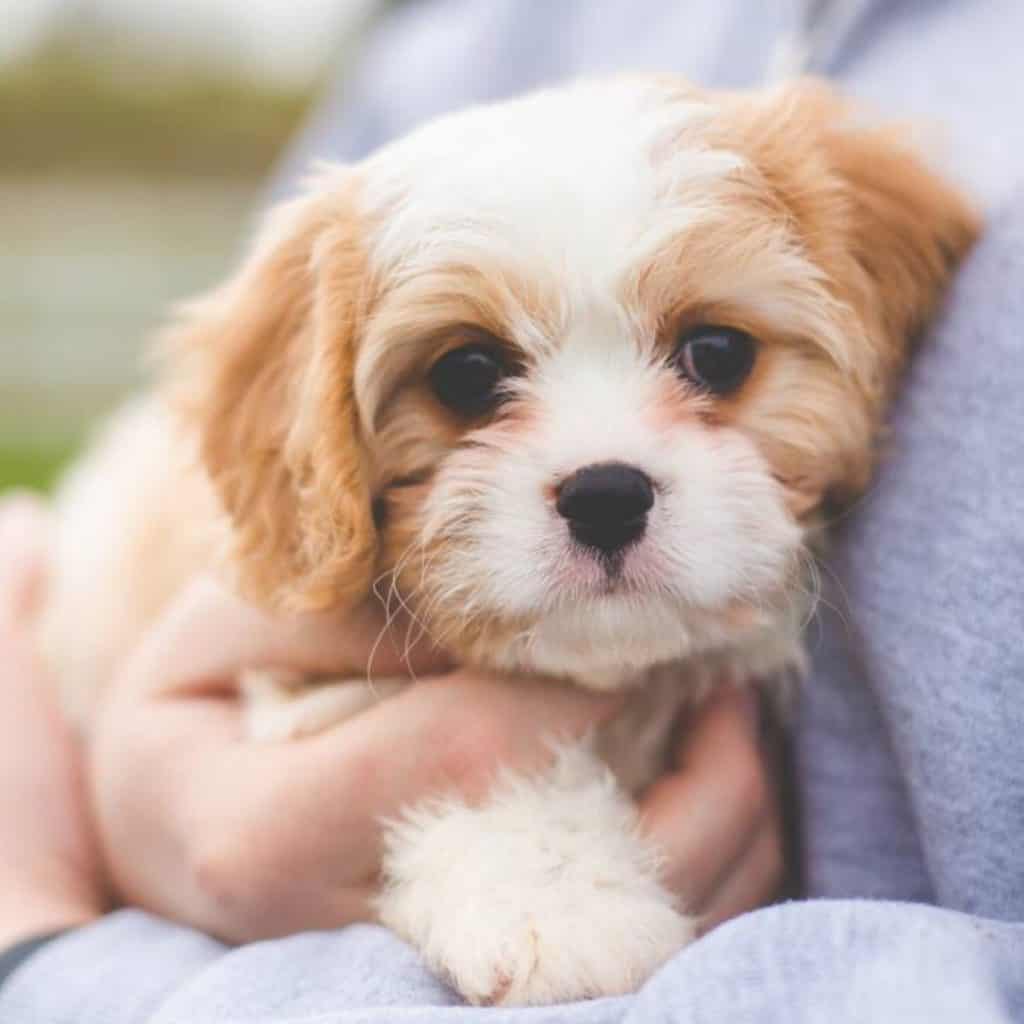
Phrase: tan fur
[887,231]
[263,370]
[113,575]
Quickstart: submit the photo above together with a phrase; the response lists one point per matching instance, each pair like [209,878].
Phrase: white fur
[544,893]
[535,183]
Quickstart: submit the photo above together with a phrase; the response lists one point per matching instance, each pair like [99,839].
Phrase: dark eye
[718,359]
[468,379]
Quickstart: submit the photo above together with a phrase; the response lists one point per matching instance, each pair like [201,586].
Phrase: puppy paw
[608,946]
[545,894]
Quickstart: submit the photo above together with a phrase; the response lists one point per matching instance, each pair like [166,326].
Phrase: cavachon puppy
[571,379]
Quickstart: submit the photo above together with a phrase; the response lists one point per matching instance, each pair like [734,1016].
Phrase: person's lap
[803,961]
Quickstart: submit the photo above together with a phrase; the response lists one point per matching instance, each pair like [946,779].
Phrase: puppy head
[574,373]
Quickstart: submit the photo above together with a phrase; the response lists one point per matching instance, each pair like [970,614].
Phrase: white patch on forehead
[593,392]
[583,182]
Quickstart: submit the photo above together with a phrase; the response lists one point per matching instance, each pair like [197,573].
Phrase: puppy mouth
[608,541]
[611,565]
[592,572]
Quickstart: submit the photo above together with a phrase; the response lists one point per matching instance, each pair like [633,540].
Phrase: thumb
[210,635]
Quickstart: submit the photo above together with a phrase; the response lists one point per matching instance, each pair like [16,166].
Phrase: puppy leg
[282,707]
[545,893]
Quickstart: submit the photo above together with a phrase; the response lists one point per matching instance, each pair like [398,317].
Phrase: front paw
[577,946]
[546,894]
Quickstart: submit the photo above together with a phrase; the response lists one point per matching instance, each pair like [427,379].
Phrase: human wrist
[24,917]
[33,904]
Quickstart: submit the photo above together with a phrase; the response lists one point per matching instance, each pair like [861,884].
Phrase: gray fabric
[952,66]
[844,962]
[119,969]
[932,569]
[910,731]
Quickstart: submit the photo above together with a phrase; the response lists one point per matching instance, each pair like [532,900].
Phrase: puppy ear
[908,227]
[262,371]
[887,233]
[887,228]
[907,230]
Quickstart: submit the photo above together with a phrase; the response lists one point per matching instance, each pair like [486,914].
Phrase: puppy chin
[606,623]
[611,643]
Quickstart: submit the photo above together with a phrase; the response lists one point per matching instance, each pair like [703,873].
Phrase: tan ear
[909,228]
[859,191]
[262,370]
[887,232]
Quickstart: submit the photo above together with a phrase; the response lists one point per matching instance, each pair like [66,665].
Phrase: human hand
[717,815]
[247,841]
[50,874]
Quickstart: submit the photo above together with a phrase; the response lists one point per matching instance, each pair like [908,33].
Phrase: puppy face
[573,376]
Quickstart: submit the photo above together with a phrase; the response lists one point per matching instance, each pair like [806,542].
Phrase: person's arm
[50,874]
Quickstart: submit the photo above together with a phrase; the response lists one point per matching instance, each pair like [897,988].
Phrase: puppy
[572,379]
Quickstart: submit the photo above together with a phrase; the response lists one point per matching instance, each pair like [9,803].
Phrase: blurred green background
[137,140]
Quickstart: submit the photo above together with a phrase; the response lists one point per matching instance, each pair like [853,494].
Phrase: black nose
[606,505]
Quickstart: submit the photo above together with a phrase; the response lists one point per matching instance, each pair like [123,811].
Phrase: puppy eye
[468,379]
[718,359]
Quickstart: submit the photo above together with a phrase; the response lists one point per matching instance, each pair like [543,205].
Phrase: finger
[24,544]
[210,635]
[304,908]
[704,815]
[214,832]
[755,881]
[448,734]
[733,713]
[303,800]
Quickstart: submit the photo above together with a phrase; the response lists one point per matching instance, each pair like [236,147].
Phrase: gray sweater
[911,730]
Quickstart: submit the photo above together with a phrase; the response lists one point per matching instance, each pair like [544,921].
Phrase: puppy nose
[606,505]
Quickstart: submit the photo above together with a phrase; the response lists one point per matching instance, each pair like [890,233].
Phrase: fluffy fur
[582,229]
